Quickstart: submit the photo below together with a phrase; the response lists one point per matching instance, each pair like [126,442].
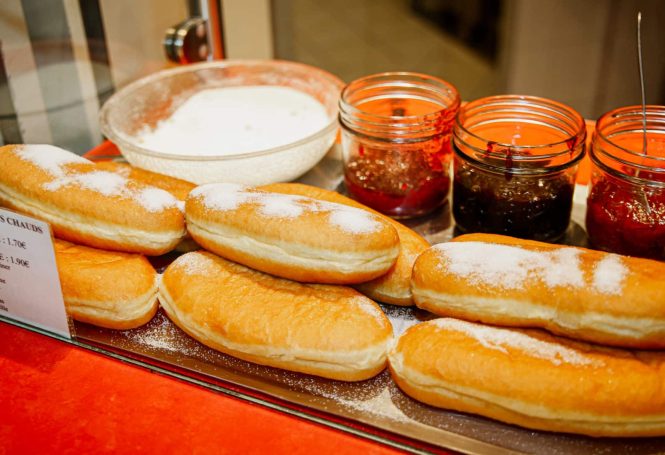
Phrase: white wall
[583,53]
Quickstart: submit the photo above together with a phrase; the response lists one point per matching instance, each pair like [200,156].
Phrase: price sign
[29,284]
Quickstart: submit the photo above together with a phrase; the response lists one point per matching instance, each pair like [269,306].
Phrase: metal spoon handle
[641,68]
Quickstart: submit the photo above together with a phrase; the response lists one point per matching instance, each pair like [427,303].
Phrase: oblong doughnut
[531,378]
[106,288]
[394,286]
[585,294]
[329,331]
[293,237]
[86,205]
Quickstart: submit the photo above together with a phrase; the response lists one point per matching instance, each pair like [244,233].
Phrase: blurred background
[61,59]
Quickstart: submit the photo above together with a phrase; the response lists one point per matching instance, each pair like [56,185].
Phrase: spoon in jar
[644,105]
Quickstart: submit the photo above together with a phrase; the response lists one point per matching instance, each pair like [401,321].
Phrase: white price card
[29,283]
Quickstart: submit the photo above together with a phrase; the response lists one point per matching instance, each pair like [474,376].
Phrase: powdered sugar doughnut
[289,236]
[531,378]
[585,294]
[106,288]
[329,331]
[88,205]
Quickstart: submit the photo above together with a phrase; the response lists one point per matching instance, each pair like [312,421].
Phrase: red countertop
[58,398]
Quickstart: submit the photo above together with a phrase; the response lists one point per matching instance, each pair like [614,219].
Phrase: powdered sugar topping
[49,158]
[501,339]
[508,266]
[609,274]
[221,196]
[112,184]
[354,220]
[229,196]
[106,183]
[194,263]
[53,160]
[369,307]
[276,205]
[156,199]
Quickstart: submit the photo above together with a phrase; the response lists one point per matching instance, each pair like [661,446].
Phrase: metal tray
[374,404]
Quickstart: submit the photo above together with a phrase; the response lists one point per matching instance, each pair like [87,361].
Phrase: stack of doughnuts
[104,218]
[273,287]
[530,377]
[251,298]
[533,334]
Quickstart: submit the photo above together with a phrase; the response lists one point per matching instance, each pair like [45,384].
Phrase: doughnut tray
[376,408]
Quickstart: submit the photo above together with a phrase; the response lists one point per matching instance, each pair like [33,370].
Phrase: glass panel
[356,38]
[61,59]
[582,54]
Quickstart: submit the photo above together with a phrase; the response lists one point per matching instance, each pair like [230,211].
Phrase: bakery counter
[101,391]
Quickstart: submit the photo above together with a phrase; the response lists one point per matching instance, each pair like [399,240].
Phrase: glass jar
[515,166]
[396,130]
[626,202]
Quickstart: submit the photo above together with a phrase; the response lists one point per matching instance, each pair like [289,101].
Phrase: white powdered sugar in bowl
[253,122]
[233,120]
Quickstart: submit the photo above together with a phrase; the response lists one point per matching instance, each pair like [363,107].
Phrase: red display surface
[59,398]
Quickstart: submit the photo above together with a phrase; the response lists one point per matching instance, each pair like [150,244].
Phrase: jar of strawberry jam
[515,165]
[626,202]
[396,130]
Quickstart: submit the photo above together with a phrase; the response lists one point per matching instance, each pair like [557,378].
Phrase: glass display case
[60,61]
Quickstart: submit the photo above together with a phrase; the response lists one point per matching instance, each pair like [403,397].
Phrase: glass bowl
[143,103]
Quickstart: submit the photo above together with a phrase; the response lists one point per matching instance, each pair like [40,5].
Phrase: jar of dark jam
[396,130]
[626,202]
[515,166]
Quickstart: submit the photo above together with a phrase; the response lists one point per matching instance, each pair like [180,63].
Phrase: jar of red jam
[396,130]
[515,166]
[626,202]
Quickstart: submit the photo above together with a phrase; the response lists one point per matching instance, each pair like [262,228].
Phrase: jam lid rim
[394,138]
[579,149]
[624,112]
[569,112]
[631,178]
[445,88]
[518,170]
